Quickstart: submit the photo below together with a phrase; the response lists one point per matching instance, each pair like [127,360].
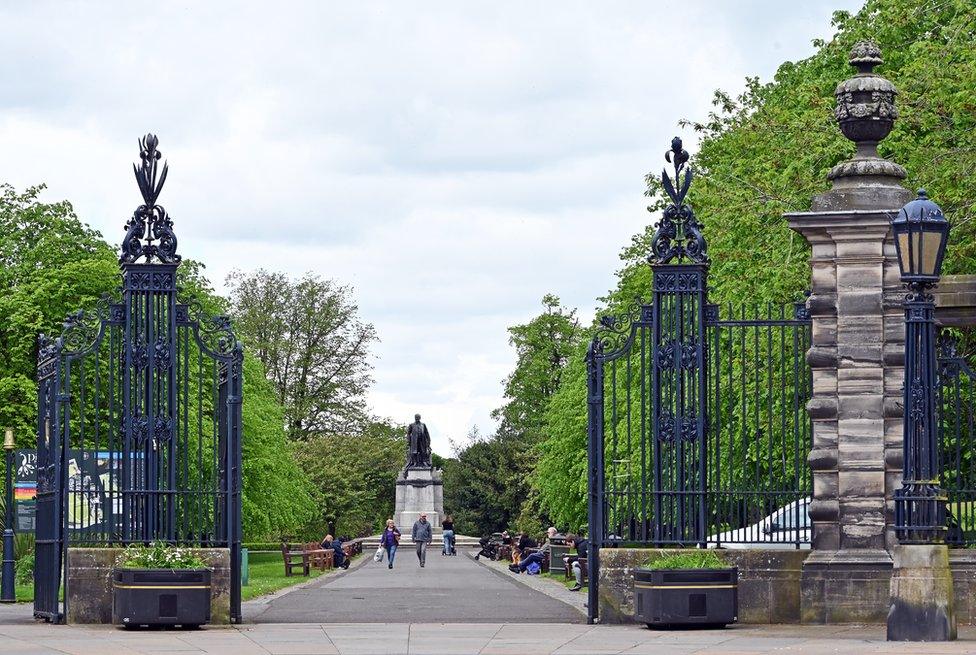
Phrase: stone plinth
[419,490]
[88,591]
[922,607]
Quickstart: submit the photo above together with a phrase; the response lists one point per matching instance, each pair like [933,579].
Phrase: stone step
[460,541]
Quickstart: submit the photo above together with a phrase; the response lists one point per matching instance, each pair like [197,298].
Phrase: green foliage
[488,487]
[767,151]
[53,265]
[158,555]
[50,264]
[354,478]
[278,496]
[688,559]
[481,489]
[24,569]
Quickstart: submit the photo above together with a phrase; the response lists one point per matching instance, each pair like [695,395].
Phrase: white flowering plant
[158,555]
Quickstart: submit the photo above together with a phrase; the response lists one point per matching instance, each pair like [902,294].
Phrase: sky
[452,161]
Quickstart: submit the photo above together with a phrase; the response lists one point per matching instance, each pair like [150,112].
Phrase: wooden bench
[300,556]
[318,557]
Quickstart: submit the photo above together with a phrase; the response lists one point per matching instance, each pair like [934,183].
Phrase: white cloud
[453,161]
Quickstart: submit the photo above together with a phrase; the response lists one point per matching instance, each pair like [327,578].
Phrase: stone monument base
[921,595]
[419,491]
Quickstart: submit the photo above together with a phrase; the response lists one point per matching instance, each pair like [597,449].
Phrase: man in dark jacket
[582,546]
[338,555]
[422,535]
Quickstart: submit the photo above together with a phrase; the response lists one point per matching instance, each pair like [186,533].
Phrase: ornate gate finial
[678,234]
[149,222]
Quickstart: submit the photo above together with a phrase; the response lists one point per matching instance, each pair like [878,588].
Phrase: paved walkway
[462,639]
[449,590]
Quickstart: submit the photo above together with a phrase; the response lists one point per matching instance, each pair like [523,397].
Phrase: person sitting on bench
[339,558]
[538,556]
[582,546]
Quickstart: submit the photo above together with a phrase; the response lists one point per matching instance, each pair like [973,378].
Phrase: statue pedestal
[419,490]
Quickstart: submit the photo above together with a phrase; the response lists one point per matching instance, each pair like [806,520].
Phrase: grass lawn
[267,574]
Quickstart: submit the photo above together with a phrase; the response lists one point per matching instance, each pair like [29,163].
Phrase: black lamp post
[7,594]
[921,232]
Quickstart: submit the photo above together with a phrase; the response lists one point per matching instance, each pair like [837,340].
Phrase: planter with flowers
[691,588]
[160,584]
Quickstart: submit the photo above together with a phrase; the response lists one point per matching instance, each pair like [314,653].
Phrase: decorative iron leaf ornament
[149,223]
[679,235]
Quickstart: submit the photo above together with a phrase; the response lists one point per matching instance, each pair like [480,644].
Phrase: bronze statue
[418,445]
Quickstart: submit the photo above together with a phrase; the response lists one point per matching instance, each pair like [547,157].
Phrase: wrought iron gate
[139,415]
[956,404]
[698,432]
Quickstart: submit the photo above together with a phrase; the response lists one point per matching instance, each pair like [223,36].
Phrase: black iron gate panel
[760,433]
[146,439]
[698,433]
[957,439]
[49,544]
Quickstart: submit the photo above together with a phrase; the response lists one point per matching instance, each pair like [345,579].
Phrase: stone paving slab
[548,586]
[448,590]
[27,638]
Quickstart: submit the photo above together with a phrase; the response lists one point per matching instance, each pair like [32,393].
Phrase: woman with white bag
[389,541]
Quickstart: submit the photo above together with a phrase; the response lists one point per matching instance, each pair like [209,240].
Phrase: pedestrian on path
[389,540]
[448,526]
[422,536]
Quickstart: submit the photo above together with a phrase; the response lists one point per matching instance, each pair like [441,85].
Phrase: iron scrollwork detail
[614,329]
[947,349]
[81,328]
[214,332]
[679,235]
[683,355]
[149,223]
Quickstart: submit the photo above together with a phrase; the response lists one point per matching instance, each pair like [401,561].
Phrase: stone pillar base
[419,490]
[845,586]
[922,602]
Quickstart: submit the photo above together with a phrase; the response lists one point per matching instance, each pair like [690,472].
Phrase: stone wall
[769,583]
[770,587]
[89,586]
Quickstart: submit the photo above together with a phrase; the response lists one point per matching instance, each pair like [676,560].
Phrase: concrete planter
[689,597]
[156,597]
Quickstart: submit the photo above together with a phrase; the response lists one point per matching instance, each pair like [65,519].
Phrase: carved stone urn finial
[866,114]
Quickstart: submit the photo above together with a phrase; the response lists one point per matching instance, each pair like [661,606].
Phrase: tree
[481,485]
[543,347]
[314,348]
[354,476]
[768,151]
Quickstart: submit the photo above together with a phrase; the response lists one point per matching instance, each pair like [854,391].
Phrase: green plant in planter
[158,555]
[690,559]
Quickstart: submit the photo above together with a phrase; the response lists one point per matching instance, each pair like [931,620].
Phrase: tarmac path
[448,590]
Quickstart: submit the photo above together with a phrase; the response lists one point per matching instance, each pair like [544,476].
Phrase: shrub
[690,559]
[158,555]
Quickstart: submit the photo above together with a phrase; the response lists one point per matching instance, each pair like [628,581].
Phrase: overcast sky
[452,161]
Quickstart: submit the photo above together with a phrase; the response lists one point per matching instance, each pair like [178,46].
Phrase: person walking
[389,540]
[422,535]
[448,525]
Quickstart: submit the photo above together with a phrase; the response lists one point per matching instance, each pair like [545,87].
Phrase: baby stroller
[450,550]
[489,546]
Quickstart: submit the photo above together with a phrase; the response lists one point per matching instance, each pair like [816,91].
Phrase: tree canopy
[767,151]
